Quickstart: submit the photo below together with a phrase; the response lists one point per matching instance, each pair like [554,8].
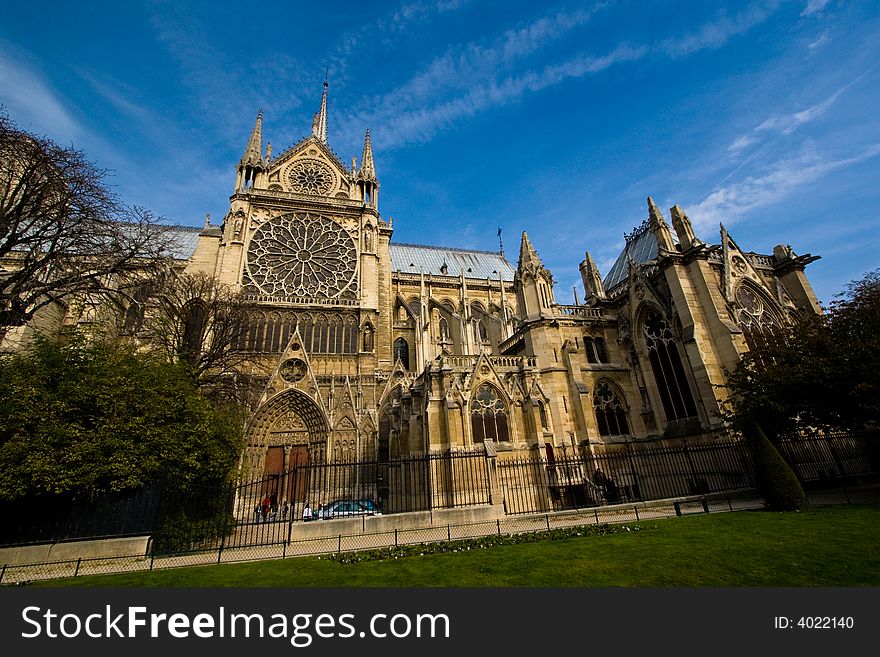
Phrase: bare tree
[196,320]
[63,233]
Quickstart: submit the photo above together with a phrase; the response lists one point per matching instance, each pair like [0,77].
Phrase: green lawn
[835,546]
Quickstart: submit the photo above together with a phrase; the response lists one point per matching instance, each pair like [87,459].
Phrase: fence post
[498,525]
[448,533]
[152,559]
[2,573]
[705,504]
[78,562]
[395,537]
[339,545]
[636,509]
[220,549]
[596,513]
[547,520]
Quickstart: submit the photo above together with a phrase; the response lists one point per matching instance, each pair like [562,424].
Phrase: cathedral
[369,349]
[372,349]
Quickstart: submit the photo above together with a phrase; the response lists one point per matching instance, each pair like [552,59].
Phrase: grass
[835,546]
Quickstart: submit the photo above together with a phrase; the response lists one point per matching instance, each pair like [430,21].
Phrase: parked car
[347,508]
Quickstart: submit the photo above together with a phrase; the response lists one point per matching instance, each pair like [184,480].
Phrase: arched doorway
[286,434]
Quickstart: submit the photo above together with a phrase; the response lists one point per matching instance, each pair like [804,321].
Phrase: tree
[63,233]
[83,418]
[818,373]
[197,322]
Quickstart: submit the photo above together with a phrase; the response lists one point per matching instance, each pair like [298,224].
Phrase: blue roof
[415,258]
[185,239]
[641,245]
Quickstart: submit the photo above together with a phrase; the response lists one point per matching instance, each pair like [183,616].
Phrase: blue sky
[554,118]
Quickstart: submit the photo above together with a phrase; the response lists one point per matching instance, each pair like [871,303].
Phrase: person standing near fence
[307,512]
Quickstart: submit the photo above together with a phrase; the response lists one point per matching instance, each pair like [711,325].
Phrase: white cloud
[781,179]
[814,7]
[787,123]
[716,34]
[819,42]
[30,101]
[473,77]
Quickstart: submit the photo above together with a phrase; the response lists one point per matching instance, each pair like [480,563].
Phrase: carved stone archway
[289,427]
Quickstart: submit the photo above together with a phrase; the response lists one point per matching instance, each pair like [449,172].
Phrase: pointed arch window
[488,415]
[610,410]
[754,317]
[401,352]
[542,415]
[672,383]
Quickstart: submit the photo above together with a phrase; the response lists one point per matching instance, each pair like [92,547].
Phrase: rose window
[311,177]
[301,255]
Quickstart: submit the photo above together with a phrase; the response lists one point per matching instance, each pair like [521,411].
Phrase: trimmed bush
[775,480]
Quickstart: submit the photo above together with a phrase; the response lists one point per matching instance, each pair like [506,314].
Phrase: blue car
[347,509]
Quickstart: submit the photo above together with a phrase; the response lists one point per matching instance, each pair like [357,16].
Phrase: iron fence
[625,473]
[262,511]
[832,457]
[37,519]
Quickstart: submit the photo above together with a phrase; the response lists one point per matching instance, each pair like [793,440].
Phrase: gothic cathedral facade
[371,349]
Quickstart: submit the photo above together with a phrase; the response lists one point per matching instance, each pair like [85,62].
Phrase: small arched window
[610,410]
[601,352]
[401,352]
[542,414]
[590,350]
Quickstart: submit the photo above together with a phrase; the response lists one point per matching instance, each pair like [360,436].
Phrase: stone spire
[529,260]
[253,152]
[683,228]
[368,168]
[533,283]
[319,124]
[659,227]
[591,278]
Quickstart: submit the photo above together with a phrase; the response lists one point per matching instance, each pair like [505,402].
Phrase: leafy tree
[84,418]
[818,373]
[63,233]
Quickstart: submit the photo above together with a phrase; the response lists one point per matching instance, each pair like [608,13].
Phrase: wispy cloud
[717,33]
[814,7]
[473,77]
[785,124]
[25,93]
[823,38]
[781,179]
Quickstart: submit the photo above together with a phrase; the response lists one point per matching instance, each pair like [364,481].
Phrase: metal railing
[622,473]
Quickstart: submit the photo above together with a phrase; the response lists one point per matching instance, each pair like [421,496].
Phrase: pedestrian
[267,506]
[307,512]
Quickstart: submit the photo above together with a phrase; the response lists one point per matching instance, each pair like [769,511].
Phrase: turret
[252,166]
[534,283]
[367,183]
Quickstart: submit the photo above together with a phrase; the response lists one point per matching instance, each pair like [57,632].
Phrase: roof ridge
[447,248]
